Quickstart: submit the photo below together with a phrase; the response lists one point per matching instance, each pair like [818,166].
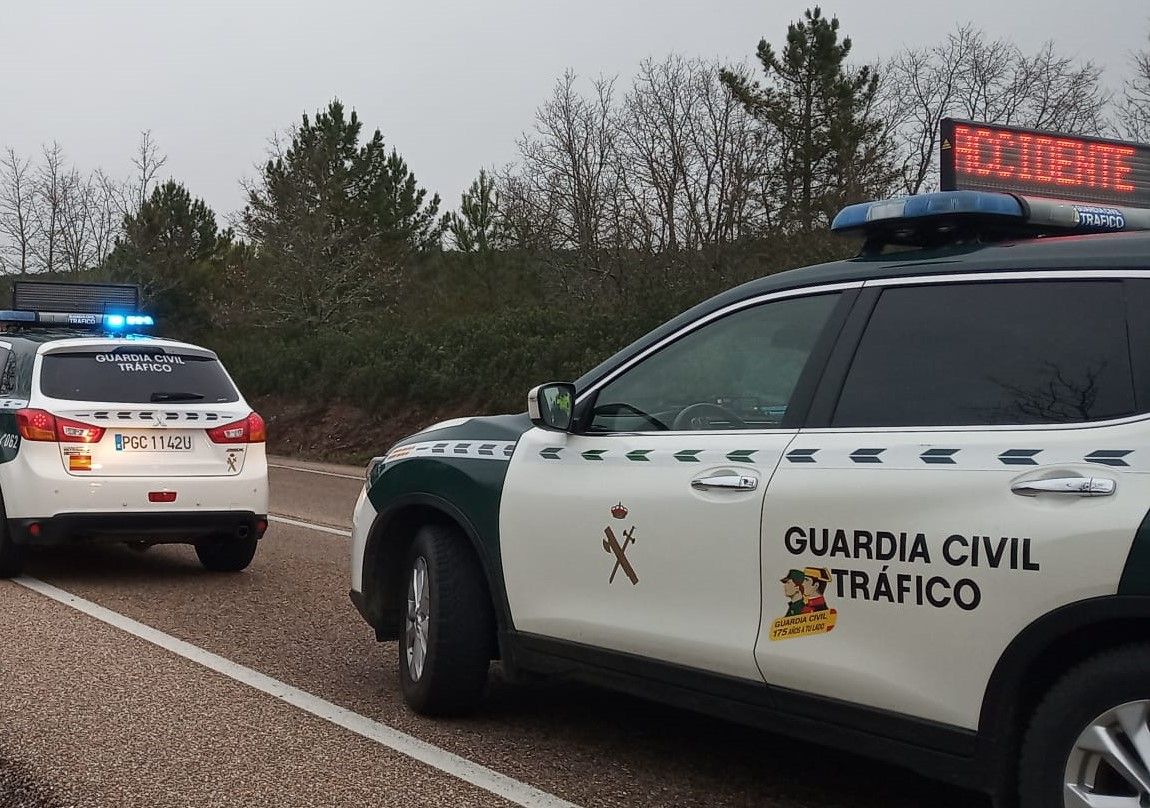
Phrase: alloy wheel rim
[418,617]
[1109,766]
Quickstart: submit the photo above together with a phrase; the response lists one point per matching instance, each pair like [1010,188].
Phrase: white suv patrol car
[109,435]
[898,504]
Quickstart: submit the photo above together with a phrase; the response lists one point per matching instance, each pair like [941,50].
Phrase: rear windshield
[136,376]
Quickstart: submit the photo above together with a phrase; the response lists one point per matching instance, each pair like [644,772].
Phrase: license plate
[149,442]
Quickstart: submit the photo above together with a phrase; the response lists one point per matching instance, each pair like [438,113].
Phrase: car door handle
[1075,486]
[735,482]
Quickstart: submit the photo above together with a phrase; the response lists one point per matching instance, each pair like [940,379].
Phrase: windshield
[136,375]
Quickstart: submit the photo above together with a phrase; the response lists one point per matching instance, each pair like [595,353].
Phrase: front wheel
[1088,745]
[227,554]
[445,646]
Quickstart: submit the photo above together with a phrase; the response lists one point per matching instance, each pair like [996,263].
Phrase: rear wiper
[175,397]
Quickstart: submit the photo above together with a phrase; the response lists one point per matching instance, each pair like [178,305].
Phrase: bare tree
[147,162]
[49,199]
[528,211]
[989,87]
[691,157]
[677,164]
[128,195]
[88,222]
[919,88]
[53,217]
[654,131]
[733,158]
[573,152]
[1060,94]
[567,188]
[17,212]
[1134,112]
[107,220]
[970,76]
[75,222]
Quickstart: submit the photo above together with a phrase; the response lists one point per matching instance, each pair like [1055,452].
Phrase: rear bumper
[36,486]
[171,527]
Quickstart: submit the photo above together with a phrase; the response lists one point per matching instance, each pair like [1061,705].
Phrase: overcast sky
[451,84]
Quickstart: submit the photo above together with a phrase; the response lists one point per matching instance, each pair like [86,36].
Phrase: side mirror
[552,406]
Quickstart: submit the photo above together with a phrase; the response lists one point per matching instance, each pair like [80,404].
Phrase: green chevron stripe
[551,452]
[594,454]
[688,455]
[741,455]
[640,455]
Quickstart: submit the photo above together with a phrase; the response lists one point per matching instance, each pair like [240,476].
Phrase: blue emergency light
[908,209]
[951,216]
[115,322]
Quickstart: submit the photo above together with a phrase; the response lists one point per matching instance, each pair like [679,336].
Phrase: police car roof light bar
[111,323]
[944,217]
[109,307]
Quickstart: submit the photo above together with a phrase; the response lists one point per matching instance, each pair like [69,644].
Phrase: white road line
[335,531]
[357,477]
[448,762]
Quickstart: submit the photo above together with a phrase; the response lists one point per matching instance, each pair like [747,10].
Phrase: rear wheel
[11,554]
[1088,745]
[227,554]
[445,646]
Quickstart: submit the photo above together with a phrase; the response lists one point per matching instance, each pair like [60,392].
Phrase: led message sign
[985,157]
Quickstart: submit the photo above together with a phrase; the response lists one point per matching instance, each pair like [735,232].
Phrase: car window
[136,375]
[1036,352]
[7,372]
[738,372]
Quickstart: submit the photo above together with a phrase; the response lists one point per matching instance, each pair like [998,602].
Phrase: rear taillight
[36,425]
[257,430]
[75,432]
[44,426]
[249,430]
[235,432]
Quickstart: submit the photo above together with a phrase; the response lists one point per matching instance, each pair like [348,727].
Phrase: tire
[449,677]
[227,554]
[11,554]
[1111,690]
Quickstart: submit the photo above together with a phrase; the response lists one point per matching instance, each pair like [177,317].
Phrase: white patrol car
[113,436]
[898,504]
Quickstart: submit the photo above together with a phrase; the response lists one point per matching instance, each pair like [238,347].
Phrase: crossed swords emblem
[612,545]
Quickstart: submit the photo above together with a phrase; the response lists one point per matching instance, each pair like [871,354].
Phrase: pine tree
[171,247]
[475,228]
[334,219]
[819,111]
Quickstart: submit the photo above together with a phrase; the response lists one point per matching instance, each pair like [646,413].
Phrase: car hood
[479,428]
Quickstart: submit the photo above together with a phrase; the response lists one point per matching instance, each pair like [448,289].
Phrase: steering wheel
[613,409]
[695,417]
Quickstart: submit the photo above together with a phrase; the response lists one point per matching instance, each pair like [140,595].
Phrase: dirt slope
[341,433]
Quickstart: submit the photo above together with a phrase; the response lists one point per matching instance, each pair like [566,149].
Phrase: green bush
[482,330]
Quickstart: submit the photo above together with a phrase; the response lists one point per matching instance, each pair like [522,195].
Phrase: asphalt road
[96,715]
